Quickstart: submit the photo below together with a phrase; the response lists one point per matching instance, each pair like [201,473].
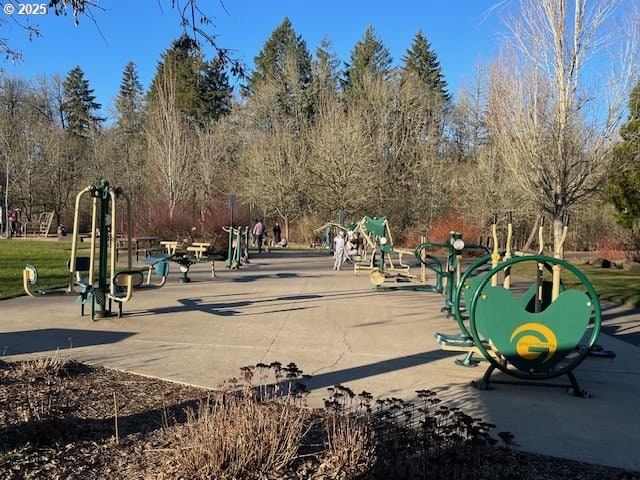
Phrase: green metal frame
[535,373]
[100,291]
[234,254]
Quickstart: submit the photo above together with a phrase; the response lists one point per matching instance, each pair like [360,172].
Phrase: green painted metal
[467,285]
[237,245]
[534,344]
[375,226]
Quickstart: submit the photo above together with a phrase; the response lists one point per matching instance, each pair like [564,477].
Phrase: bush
[302,231]
[187,224]
[614,249]
[266,431]
[438,231]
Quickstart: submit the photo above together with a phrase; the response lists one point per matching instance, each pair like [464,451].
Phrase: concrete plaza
[292,307]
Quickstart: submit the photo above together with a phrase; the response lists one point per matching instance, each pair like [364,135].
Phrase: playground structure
[330,230]
[103,285]
[536,336]
[41,226]
[377,238]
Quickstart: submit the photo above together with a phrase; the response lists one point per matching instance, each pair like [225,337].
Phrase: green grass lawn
[50,258]
[611,283]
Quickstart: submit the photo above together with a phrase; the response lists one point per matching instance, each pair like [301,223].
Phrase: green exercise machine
[103,285]
[238,247]
[533,334]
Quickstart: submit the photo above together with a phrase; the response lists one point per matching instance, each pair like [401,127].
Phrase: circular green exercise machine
[534,334]
[102,285]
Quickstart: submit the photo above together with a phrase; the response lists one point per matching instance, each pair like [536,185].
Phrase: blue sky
[139,30]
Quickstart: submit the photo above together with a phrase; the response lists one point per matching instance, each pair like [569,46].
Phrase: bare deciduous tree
[551,113]
[340,161]
[170,153]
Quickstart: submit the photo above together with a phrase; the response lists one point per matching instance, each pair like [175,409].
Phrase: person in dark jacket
[277,234]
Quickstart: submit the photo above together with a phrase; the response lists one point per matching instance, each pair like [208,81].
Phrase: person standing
[339,250]
[13,222]
[258,234]
[277,234]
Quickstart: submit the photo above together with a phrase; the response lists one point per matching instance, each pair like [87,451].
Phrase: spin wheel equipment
[533,335]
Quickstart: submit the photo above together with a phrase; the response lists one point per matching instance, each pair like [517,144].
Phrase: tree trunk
[286,227]
[557,235]
[532,235]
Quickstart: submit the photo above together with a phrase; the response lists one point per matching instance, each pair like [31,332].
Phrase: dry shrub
[350,446]
[188,223]
[44,399]
[244,433]
[438,232]
[397,439]
[615,249]
[233,436]
[411,238]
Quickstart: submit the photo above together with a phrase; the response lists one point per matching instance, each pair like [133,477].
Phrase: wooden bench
[198,249]
[171,247]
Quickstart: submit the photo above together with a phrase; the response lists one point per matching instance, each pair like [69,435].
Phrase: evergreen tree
[272,60]
[128,144]
[422,62]
[369,57]
[202,88]
[214,89]
[79,104]
[129,102]
[624,180]
[185,60]
[325,74]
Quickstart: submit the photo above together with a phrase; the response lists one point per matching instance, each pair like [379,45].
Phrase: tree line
[308,134]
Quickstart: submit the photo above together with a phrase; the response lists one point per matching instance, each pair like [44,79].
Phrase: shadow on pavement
[32,341]
[346,375]
[239,307]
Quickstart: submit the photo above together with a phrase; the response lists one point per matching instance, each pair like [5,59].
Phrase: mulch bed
[58,421]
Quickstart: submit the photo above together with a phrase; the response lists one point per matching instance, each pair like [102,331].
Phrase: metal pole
[101,299]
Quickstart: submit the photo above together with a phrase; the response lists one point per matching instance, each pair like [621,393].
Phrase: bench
[171,247]
[198,249]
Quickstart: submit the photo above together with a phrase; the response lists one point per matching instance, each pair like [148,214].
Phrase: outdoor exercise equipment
[105,286]
[448,279]
[446,276]
[237,247]
[195,253]
[377,236]
[535,337]
[330,230]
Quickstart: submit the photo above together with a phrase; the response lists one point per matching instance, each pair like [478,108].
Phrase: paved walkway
[292,307]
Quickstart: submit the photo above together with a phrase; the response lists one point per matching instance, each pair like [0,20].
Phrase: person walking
[277,234]
[258,234]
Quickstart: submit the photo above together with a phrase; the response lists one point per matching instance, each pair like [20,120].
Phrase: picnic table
[146,245]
